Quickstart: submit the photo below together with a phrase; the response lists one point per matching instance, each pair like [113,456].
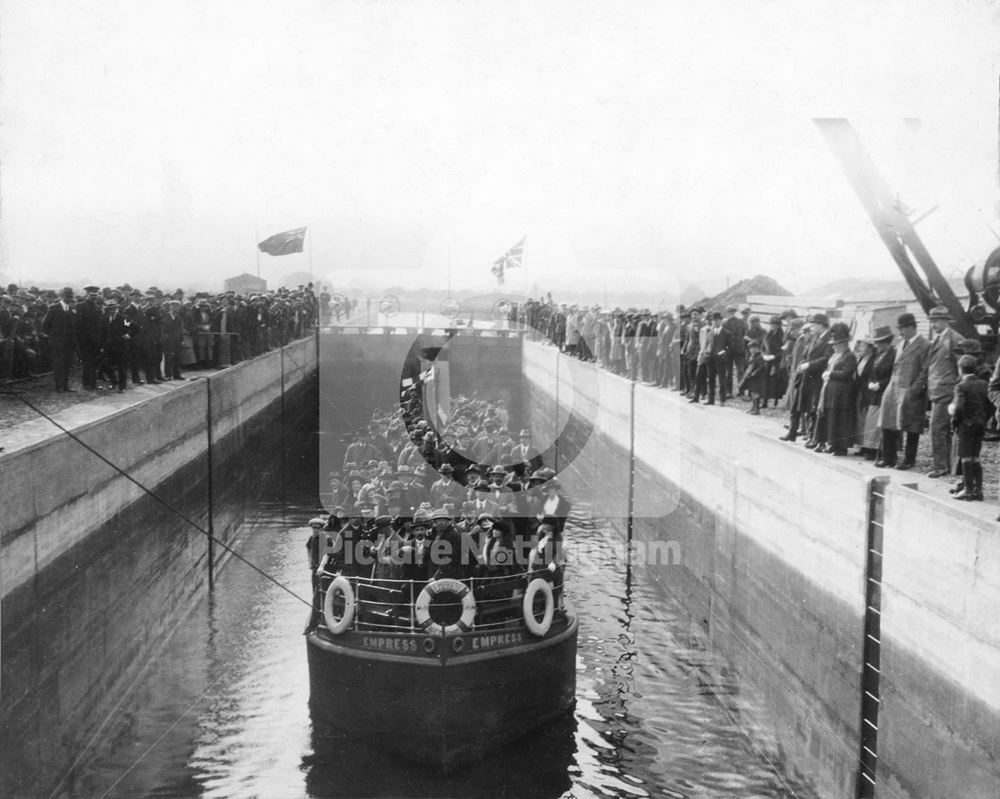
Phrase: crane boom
[891,223]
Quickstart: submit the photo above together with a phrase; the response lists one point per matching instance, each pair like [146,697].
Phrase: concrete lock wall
[96,573]
[939,720]
[764,543]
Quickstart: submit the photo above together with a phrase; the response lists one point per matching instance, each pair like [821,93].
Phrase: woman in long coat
[871,385]
[836,424]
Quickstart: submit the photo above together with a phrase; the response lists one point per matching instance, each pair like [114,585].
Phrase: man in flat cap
[942,375]
[905,398]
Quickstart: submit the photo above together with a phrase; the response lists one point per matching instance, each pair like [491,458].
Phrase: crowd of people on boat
[414,504]
[124,335]
[877,393]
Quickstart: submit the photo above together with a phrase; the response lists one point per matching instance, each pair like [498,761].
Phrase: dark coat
[881,373]
[60,326]
[89,325]
[815,356]
[755,375]
[838,385]
[972,405]
[904,403]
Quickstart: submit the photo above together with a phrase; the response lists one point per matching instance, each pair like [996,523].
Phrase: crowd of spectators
[405,482]
[124,334]
[877,393]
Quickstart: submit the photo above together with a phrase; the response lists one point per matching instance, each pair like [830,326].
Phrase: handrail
[377,614]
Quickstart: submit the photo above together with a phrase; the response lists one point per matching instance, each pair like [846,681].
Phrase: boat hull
[441,707]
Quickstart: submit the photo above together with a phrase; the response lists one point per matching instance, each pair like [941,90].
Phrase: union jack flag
[508,260]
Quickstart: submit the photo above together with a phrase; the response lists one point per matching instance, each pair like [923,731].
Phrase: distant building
[246,284]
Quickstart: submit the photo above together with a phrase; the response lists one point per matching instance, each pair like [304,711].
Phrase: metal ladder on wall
[871,650]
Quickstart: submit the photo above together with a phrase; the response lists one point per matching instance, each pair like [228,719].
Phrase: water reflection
[225,711]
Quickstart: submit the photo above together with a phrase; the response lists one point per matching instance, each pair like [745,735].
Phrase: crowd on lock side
[122,334]
[877,393]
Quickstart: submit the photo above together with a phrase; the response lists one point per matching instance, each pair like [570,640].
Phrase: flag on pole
[284,243]
[509,260]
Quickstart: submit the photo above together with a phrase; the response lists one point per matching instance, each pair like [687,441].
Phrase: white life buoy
[536,627]
[422,607]
[333,624]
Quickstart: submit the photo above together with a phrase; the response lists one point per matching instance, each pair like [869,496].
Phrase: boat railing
[386,605]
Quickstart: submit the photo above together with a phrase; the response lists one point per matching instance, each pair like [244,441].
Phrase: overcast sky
[656,144]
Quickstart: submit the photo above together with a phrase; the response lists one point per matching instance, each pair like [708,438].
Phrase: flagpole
[256,238]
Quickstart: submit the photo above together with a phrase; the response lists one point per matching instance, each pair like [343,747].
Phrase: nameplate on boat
[391,643]
[487,641]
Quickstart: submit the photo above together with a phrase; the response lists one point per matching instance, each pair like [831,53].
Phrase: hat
[317,521]
[820,319]
[775,320]
[716,315]
[497,470]
[422,470]
[421,518]
[730,309]
[906,320]
[485,515]
[332,475]
[840,333]
[524,433]
[939,312]
[440,513]
[754,344]
[697,309]
[67,292]
[882,333]
[446,468]
[481,485]
[111,304]
[396,485]
[91,289]
[754,318]
[382,521]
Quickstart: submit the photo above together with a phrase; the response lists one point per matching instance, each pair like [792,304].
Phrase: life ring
[333,624]
[535,627]
[422,607]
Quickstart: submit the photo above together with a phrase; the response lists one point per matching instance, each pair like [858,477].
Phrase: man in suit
[691,350]
[737,361]
[447,491]
[816,352]
[152,337]
[133,320]
[524,452]
[114,341]
[942,375]
[60,327]
[173,337]
[905,398]
[89,326]
[482,502]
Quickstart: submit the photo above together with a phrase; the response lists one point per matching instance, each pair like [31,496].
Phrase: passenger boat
[445,671]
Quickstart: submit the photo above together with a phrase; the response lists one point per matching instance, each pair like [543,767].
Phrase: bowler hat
[820,319]
[906,320]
